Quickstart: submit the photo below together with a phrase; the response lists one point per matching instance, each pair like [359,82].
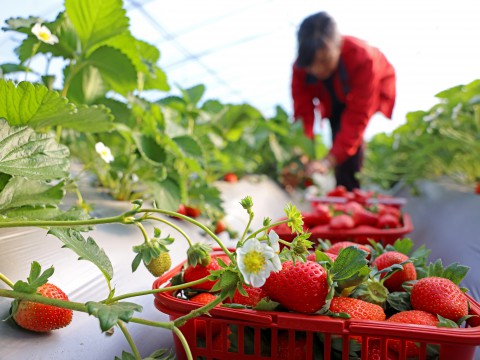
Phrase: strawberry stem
[6,280]
[200,311]
[184,342]
[130,341]
[173,226]
[195,222]
[254,234]
[144,232]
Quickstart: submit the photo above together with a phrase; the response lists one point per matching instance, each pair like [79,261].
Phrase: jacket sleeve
[359,107]
[303,108]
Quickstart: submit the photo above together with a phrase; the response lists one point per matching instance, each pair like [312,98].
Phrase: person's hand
[319,166]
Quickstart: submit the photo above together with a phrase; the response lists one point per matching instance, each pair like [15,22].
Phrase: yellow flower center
[44,35]
[254,262]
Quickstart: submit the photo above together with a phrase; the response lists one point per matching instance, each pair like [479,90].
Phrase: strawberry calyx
[151,249]
[199,253]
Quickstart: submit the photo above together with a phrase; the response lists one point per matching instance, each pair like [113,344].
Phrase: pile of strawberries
[399,287]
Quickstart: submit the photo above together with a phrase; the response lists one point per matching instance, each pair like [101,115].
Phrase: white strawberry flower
[256,261]
[104,152]
[44,34]
[273,241]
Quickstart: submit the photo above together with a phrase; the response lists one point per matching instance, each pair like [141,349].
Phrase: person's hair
[313,33]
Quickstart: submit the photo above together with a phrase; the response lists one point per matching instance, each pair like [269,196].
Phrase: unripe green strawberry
[159,265]
[40,317]
[439,296]
[357,309]
[394,282]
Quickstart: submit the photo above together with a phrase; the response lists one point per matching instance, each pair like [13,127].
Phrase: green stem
[184,342]
[34,51]
[58,134]
[43,300]
[173,226]
[155,291]
[74,70]
[130,341]
[200,311]
[144,232]
[250,213]
[265,228]
[6,280]
[122,219]
[195,222]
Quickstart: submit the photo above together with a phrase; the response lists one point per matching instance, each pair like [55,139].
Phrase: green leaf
[85,249]
[193,94]
[39,108]
[189,146]
[166,194]
[96,20]
[22,25]
[150,150]
[400,301]
[111,62]
[403,246]
[23,192]
[110,314]
[34,156]
[12,68]
[125,356]
[34,280]
[350,267]
[87,86]
[266,304]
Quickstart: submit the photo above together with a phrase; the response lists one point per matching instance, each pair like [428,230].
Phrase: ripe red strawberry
[313,257]
[230,177]
[197,272]
[335,248]
[439,296]
[254,296]
[365,217]
[43,318]
[357,309]
[352,207]
[338,191]
[375,352]
[218,341]
[389,209]
[361,196]
[389,258]
[417,317]
[301,288]
[388,221]
[200,324]
[341,222]
[299,351]
[322,213]
[192,211]
[477,188]
[220,227]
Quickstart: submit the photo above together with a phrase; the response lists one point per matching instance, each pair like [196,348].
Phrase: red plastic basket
[360,234]
[299,336]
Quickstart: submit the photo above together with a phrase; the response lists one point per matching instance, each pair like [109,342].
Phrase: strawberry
[204,298]
[388,221]
[388,209]
[159,265]
[192,211]
[181,210]
[361,196]
[439,296]
[200,324]
[301,287]
[253,298]
[335,248]
[364,217]
[199,271]
[230,177]
[217,341]
[338,191]
[313,257]
[322,213]
[357,309]
[477,188]
[220,227]
[417,317]
[43,318]
[299,351]
[341,222]
[394,282]
[375,351]
[351,207]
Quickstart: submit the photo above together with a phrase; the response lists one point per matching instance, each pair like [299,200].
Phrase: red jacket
[371,84]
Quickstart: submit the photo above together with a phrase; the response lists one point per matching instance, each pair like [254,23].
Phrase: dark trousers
[345,173]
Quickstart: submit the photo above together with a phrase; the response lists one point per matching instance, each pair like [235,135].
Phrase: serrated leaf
[85,249]
[40,108]
[166,193]
[266,305]
[403,246]
[189,146]
[400,301]
[22,192]
[110,314]
[455,272]
[12,68]
[22,25]
[35,279]
[34,156]
[150,150]
[350,267]
[96,20]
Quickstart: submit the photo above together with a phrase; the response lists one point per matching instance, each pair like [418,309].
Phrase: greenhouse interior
[252,180]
